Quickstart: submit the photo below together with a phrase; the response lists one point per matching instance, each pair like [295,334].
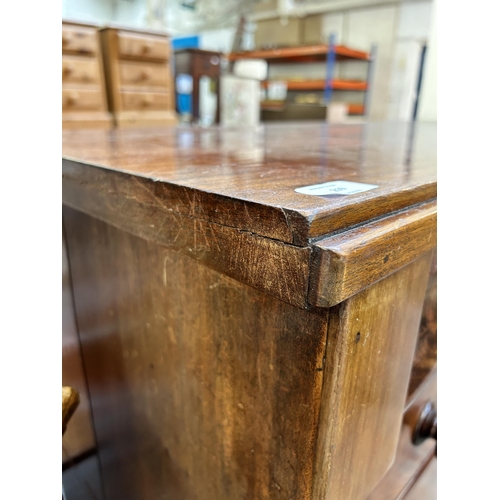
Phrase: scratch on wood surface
[283,276]
[214,237]
[191,202]
[166,262]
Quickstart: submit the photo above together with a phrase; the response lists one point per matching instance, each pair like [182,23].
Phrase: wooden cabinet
[84,102]
[242,339]
[199,63]
[138,77]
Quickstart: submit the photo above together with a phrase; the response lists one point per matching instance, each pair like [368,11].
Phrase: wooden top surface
[246,178]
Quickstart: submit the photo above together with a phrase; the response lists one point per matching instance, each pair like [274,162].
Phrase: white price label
[336,187]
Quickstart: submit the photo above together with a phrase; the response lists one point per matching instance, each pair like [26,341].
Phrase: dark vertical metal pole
[330,65]
[369,79]
[419,81]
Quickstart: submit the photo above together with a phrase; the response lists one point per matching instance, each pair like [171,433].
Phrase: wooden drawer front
[133,101]
[79,40]
[155,75]
[80,70]
[410,459]
[84,100]
[142,47]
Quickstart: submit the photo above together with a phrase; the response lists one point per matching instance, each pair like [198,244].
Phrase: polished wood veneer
[242,340]
[260,168]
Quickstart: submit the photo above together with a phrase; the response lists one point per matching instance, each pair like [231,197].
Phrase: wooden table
[242,340]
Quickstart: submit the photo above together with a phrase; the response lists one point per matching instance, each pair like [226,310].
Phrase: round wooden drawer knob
[146,101]
[146,47]
[72,98]
[68,69]
[66,38]
[422,420]
[145,74]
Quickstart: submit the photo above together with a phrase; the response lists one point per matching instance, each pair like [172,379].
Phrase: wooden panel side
[350,261]
[370,345]
[202,387]
[425,357]
[426,485]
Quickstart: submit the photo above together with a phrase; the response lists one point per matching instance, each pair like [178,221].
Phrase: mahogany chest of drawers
[253,324]
[84,102]
[138,77]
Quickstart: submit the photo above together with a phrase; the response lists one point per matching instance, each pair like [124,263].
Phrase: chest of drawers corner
[236,347]
[84,102]
[138,77]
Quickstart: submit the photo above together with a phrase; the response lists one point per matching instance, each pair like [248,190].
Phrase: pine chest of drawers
[138,77]
[84,102]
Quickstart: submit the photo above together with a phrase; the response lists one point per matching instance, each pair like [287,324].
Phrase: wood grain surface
[337,268]
[371,340]
[145,182]
[425,487]
[411,461]
[205,388]
[202,388]
[261,167]
[130,203]
[79,436]
[197,275]
[425,357]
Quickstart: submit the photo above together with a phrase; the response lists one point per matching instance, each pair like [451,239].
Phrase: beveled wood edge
[276,268]
[275,223]
[300,228]
[373,206]
[335,269]
[348,262]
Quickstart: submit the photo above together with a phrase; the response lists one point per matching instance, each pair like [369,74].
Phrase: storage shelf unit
[320,84]
[352,109]
[311,54]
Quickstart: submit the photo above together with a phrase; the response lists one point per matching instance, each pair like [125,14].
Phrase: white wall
[413,32]
[218,40]
[377,25]
[162,15]
[90,11]
[415,20]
